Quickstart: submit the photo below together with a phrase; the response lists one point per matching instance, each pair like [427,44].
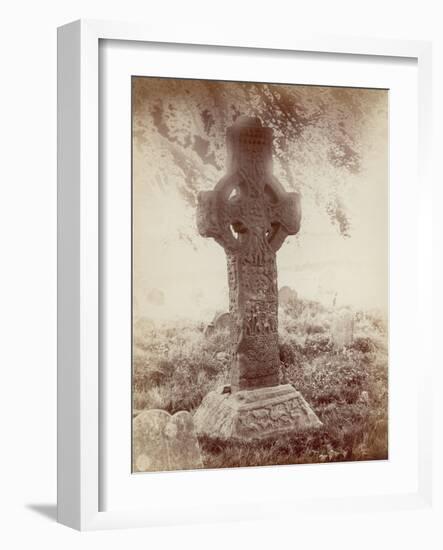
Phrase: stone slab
[254,414]
[342,330]
[163,442]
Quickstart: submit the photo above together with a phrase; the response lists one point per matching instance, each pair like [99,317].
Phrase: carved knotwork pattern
[272,418]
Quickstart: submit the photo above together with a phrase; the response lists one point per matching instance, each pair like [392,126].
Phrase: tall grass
[175,366]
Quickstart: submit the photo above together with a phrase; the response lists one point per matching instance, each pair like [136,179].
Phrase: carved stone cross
[250,214]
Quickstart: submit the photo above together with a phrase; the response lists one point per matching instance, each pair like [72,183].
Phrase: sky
[179,274]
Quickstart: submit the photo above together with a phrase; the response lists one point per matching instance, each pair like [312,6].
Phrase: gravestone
[163,442]
[287,296]
[209,329]
[342,331]
[222,321]
[250,214]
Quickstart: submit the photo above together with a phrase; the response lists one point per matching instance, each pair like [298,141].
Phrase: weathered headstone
[249,214]
[342,331]
[287,296]
[163,442]
[222,321]
[209,329]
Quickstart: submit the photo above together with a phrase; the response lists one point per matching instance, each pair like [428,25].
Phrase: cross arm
[285,217]
[214,219]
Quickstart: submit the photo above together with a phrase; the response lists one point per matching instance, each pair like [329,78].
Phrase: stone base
[254,414]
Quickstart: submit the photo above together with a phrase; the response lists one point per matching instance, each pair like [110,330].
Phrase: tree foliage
[320,135]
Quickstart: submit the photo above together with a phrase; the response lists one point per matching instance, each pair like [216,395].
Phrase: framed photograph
[240,225]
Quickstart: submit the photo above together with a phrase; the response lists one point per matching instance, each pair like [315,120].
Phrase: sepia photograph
[260,274]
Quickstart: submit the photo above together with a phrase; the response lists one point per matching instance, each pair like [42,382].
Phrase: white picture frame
[79,293]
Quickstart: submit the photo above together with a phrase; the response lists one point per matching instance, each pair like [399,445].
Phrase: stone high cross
[250,215]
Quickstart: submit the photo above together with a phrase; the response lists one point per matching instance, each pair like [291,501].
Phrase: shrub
[363,344]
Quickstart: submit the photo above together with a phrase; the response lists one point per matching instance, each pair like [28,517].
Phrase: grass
[175,366]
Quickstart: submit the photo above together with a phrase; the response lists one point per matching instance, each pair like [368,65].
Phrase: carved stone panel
[254,414]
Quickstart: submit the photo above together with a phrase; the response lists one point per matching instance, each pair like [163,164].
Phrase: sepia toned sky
[331,145]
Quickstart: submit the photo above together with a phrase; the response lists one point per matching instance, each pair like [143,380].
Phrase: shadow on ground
[48,511]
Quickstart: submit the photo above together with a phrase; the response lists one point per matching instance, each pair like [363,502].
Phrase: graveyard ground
[175,366]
